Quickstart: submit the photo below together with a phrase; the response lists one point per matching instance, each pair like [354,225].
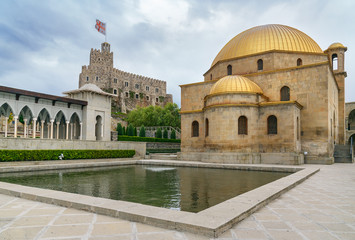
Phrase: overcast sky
[43,44]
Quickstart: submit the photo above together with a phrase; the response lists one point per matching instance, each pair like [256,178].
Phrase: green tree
[158,133]
[173,134]
[124,131]
[119,129]
[130,130]
[135,132]
[165,133]
[142,131]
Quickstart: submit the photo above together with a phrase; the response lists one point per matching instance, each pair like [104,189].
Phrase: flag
[101,27]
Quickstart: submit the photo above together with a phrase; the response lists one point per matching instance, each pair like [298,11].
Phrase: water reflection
[180,188]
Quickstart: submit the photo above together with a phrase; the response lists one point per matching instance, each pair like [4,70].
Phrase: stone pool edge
[210,222]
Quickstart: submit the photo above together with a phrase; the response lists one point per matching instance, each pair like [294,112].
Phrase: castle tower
[336,55]
[103,58]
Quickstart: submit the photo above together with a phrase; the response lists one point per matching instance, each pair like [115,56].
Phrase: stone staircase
[342,154]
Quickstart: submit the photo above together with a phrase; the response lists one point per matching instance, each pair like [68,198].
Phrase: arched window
[211,77]
[285,93]
[229,70]
[242,125]
[272,125]
[195,127]
[115,91]
[335,61]
[207,128]
[260,64]
[299,62]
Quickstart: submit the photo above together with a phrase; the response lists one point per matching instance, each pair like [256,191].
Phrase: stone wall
[162,145]
[38,144]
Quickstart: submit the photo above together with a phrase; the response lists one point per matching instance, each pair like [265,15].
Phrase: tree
[155,116]
[130,130]
[142,131]
[158,133]
[135,132]
[173,134]
[165,133]
[119,129]
[124,131]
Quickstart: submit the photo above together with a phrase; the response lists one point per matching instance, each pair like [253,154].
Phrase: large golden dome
[235,84]
[266,38]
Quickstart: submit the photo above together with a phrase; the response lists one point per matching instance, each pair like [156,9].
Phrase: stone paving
[322,207]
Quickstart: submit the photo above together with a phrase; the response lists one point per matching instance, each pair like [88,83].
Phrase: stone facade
[130,90]
[316,99]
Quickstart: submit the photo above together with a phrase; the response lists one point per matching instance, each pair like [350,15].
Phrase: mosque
[271,95]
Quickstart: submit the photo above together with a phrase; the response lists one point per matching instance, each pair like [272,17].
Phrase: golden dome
[266,38]
[336,45]
[235,84]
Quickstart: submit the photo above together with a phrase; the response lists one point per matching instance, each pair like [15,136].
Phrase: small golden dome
[266,38]
[235,84]
[336,45]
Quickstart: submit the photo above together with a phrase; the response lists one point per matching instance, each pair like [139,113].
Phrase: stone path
[323,207]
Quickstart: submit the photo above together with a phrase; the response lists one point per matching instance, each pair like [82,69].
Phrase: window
[137,86]
[242,125]
[229,70]
[211,77]
[126,84]
[137,96]
[126,94]
[97,78]
[207,128]
[194,129]
[285,93]
[260,65]
[147,98]
[115,80]
[147,88]
[156,90]
[299,62]
[272,125]
[335,61]
[156,99]
[115,91]
[87,79]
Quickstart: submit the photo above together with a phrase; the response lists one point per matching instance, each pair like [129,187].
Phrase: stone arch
[6,119]
[5,110]
[74,126]
[43,120]
[24,119]
[59,128]
[335,61]
[99,128]
[351,120]
[352,139]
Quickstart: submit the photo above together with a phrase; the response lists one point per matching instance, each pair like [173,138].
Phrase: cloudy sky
[44,43]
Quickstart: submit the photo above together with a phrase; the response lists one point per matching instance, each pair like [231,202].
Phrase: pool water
[181,188]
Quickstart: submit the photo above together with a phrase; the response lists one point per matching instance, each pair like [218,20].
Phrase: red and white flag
[101,27]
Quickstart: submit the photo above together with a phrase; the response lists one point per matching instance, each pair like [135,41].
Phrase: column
[51,131]
[74,130]
[25,128]
[57,137]
[67,130]
[42,128]
[15,129]
[6,119]
[34,127]
[102,131]
[48,130]
[81,131]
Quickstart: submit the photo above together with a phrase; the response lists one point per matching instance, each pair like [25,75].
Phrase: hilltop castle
[131,90]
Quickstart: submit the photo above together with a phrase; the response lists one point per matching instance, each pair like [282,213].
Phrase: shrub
[130,130]
[124,131]
[142,131]
[119,129]
[173,134]
[158,133]
[146,139]
[37,155]
[165,133]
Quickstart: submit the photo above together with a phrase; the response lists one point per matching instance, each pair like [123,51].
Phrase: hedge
[163,150]
[37,155]
[146,139]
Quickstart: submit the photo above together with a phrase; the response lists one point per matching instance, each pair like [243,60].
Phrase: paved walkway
[323,207]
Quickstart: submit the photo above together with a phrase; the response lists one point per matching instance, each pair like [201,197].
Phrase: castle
[271,95]
[130,90]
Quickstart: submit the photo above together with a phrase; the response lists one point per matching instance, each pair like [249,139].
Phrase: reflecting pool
[181,188]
